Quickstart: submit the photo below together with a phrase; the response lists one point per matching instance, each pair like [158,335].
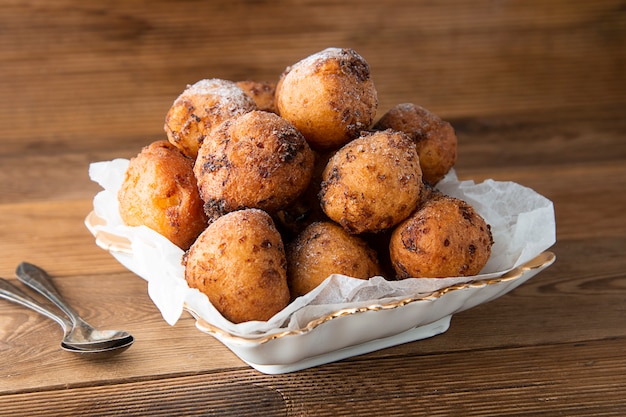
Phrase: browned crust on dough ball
[372,183]
[435,138]
[160,192]
[322,249]
[445,237]
[239,263]
[258,160]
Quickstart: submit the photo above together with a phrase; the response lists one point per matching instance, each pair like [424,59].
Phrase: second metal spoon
[81,335]
[12,293]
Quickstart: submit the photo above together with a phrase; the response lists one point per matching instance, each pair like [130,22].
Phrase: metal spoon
[81,335]
[10,292]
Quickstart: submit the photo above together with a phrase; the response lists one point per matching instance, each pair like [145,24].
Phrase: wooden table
[535,91]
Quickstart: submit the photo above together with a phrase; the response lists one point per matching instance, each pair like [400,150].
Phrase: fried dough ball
[329,96]
[239,263]
[325,248]
[262,92]
[373,182]
[202,107]
[435,138]
[258,160]
[160,192]
[444,237]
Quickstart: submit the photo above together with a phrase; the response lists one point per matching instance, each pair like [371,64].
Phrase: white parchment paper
[522,222]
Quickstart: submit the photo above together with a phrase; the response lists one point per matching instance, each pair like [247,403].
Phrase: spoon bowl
[83,336]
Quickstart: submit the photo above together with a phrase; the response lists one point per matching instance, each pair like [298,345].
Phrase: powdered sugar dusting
[227,92]
[321,56]
[312,64]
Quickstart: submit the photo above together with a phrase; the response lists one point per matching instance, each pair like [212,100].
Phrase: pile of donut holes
[269,188]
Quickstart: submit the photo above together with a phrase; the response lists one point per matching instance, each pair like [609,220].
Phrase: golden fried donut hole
[200,108]
[435,138]
[239,263]
[325,248]
[329,96]
[373,182]
[258,160]
[444,237]
[160,192]
[262,92]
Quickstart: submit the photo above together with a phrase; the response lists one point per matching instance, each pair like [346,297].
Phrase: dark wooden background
[76,76]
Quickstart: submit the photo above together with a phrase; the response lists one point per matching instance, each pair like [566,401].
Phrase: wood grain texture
[584,382]
[535,91]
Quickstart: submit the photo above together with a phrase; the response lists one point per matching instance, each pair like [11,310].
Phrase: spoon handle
[10,292]
[39,280]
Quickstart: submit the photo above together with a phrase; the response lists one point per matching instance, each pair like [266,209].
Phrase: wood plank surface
[585,382]
[535,91]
